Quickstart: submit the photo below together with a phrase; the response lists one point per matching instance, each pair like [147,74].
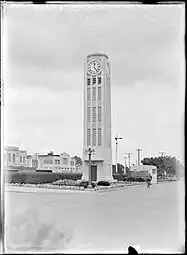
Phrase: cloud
[44,43]
[36,116]
[44,74]
[148,117]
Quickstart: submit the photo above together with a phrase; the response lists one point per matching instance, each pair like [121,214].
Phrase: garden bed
[74,188]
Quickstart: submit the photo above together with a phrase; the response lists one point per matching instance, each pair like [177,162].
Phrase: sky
[44,52]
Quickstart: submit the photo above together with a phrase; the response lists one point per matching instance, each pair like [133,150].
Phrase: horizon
[59,153]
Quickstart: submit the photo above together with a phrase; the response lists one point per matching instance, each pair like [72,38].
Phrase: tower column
[97,118]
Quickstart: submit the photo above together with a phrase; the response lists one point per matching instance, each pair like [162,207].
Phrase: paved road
[152,219]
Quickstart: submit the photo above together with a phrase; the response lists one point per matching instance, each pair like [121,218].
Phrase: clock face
[94,67]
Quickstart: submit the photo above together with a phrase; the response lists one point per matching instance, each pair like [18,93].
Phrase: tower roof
[97,54]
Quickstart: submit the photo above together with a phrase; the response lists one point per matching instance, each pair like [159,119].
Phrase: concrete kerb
[76,188]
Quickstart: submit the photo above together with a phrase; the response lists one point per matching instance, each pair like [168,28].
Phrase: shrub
[93,184]
[78,181]
[120,177]
[65,182]
[130,179]
[136,179]
[86,183]
[103,183]
[139,179]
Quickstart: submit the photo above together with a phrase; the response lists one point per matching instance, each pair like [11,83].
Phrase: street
[150,219]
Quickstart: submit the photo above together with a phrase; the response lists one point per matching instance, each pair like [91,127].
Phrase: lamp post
[89,152]
[117,138]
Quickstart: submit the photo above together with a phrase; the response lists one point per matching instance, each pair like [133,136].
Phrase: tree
[120,169]
[167,164]
[113,169]
[78,160]
[51,153]
[127,170]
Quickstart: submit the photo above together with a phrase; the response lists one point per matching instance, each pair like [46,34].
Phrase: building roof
[142,167]
[97,54]
[46,155]
[11,148]
[65,154]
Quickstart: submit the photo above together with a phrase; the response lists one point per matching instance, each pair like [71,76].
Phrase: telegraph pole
[162,154]
[125,161]
[117,138]
[129,157]
[138,150]
[125,165]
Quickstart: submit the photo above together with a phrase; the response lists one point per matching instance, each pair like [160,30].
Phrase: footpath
[48,188]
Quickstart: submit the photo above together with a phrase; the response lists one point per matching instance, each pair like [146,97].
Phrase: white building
[31,161]
[13,157]
[97,117]
[57,163]
[146,168]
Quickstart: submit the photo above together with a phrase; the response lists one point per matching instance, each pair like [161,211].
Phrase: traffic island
[113,186]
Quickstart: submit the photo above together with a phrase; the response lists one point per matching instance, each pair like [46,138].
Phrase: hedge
[120,177]
[41,177]
[36,177]
[86,183]
[103,183]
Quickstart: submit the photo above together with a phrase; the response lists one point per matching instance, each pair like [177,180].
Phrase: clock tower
[97,118]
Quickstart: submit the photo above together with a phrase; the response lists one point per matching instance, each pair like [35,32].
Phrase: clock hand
[95,68]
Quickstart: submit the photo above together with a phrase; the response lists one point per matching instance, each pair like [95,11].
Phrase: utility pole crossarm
[162,153]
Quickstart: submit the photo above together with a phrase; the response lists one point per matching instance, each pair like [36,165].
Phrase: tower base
[99,172]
